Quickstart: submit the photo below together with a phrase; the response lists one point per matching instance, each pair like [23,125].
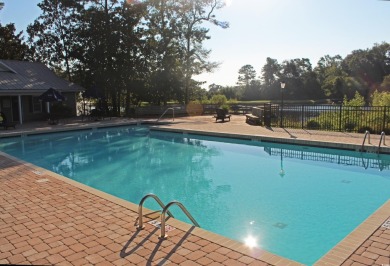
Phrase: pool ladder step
[383,135]
[367,134]
[165,210]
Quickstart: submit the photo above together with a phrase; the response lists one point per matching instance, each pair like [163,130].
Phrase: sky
[279,29]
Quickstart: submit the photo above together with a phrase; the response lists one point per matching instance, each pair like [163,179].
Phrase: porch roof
[32,78]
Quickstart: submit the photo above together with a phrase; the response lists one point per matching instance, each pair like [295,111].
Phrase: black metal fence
[329,117]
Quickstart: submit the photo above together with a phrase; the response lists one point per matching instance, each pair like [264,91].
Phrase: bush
[387,131]
[327,125]
[350,126]
[219,99]
[225,107]
[364,129]
[312,124]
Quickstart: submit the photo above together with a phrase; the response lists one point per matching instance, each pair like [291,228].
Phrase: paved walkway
[47,219]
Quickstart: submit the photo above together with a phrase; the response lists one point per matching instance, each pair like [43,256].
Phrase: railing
[383,135]
[364,139]
[330,117]
[173,113]
[140,205]
[165,210]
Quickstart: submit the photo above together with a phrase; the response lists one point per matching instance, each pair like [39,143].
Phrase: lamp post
[282,85]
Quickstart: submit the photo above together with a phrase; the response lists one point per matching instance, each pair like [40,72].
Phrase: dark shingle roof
[31,77]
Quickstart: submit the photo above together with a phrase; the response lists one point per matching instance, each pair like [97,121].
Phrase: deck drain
[280,225]
[157,224]
[44,180]
[37,172]
[386,224]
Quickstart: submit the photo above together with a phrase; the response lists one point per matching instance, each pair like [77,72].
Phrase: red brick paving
[374,251]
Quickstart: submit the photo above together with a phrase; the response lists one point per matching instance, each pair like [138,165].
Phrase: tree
[331,76]
[270,72]
[246,74]
[193,14]
[380,98]
[293,73]
[357,100]
[368,67]
[12,45]
[385,85]
[54,34]
[178,25]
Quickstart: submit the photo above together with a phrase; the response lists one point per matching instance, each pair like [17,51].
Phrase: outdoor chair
[4,122]
[221,115]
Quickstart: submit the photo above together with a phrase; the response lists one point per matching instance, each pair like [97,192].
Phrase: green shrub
[312,124]
[225,107]
[350,126]
[364,129]
[387,131]
[327,125]
[218,99]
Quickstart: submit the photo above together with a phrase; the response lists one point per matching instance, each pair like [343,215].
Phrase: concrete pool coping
[341,253]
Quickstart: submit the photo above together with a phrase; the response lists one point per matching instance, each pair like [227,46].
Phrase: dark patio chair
[221,115]
[5,123]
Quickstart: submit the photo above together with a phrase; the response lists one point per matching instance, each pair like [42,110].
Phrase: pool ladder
[364,140]
[383,136]
[165,210]
[173,114]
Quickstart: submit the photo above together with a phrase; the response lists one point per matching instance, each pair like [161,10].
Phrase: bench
[256,117]
[252,119]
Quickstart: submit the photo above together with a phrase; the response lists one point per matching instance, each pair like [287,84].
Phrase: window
[36,105]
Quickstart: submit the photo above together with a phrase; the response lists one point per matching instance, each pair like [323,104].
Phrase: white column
[20,109]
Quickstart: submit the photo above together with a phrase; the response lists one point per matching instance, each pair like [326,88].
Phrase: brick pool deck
[47,219]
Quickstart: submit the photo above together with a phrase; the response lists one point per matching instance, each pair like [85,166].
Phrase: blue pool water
[297,202]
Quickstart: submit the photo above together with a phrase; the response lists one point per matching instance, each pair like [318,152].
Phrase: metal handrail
[383,135]
[163,234]
[173,113]
[364,140]
[141,203]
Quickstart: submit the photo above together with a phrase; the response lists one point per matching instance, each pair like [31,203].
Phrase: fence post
[384,118]
[341,110]
[302,112]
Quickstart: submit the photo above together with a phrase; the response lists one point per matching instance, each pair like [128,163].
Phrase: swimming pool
[298,202]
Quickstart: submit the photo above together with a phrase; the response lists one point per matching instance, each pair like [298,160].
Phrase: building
[21,83]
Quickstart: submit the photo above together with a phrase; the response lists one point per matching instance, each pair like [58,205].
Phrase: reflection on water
[264,194]
[364,160]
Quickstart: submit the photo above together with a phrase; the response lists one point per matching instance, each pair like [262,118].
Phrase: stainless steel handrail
[141,203]
[173,114]
[364,140]
[383,135]
[163,234]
